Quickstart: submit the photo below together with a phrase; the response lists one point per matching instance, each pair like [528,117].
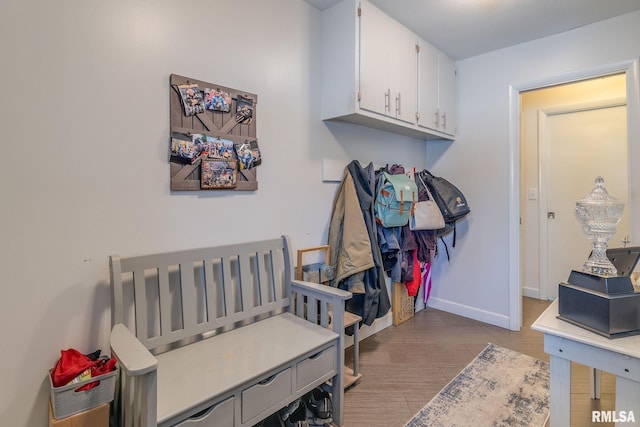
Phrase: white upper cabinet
[448,95]
[388,65]
[428,115]
[404,70]
[437,106]
[370,65]
[375,60]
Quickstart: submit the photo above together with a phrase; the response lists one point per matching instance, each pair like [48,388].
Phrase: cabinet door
[428,114]
[375,60]
[448,95]
[404,74]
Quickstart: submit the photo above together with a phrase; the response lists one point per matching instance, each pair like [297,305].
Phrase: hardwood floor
[404,366]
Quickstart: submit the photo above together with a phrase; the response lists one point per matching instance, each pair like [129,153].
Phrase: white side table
[566,343]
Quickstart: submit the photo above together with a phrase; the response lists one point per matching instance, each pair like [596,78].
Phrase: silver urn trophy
[599,214]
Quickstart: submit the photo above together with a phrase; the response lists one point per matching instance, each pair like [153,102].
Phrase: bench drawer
[315,367]
[218,415]
[265,394]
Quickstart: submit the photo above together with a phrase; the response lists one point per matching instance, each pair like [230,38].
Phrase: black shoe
[271,421]
[319,402]
[295,415]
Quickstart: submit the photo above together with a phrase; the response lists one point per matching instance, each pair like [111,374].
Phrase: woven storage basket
[66,401]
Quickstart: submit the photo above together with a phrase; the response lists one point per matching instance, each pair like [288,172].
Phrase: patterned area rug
[500,387]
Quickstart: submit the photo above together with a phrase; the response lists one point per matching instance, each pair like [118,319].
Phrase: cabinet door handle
[444,120]
[437,120]
[398,103]
[387,100]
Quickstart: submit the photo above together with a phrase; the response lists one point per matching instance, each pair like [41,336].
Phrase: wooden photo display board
[221,124]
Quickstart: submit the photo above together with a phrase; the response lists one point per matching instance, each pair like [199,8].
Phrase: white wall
[477,281]
[84,113]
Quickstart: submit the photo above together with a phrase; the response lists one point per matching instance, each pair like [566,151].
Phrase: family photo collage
[220,157]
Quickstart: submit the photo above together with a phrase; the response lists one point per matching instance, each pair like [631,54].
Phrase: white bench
[221,336]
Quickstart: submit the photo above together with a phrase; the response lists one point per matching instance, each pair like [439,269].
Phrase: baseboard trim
[439,304]
[470,312]
[531,292]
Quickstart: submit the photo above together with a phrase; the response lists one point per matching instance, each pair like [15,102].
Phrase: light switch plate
[332,170]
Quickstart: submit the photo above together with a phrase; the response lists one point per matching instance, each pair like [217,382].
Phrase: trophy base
[609,315]
[606,305]
[605,284]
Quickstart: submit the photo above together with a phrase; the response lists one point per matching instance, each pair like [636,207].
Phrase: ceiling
[466,28]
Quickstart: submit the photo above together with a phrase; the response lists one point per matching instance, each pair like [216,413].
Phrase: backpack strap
[413,205]
[446,248]
[453,245]
[426,188]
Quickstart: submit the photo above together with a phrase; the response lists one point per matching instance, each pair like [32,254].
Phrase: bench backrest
[171,298]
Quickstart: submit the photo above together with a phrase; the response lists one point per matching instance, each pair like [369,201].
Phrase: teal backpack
[395,199]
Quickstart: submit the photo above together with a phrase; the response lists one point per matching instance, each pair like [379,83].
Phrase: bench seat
[190,377]
[221,336]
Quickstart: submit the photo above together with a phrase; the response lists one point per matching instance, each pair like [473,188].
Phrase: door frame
[543,202]
[631,69]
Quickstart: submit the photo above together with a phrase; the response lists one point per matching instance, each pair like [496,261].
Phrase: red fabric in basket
[72,363]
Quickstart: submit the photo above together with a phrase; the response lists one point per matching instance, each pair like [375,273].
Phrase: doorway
[520,262]
[570,134]
[602,150]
